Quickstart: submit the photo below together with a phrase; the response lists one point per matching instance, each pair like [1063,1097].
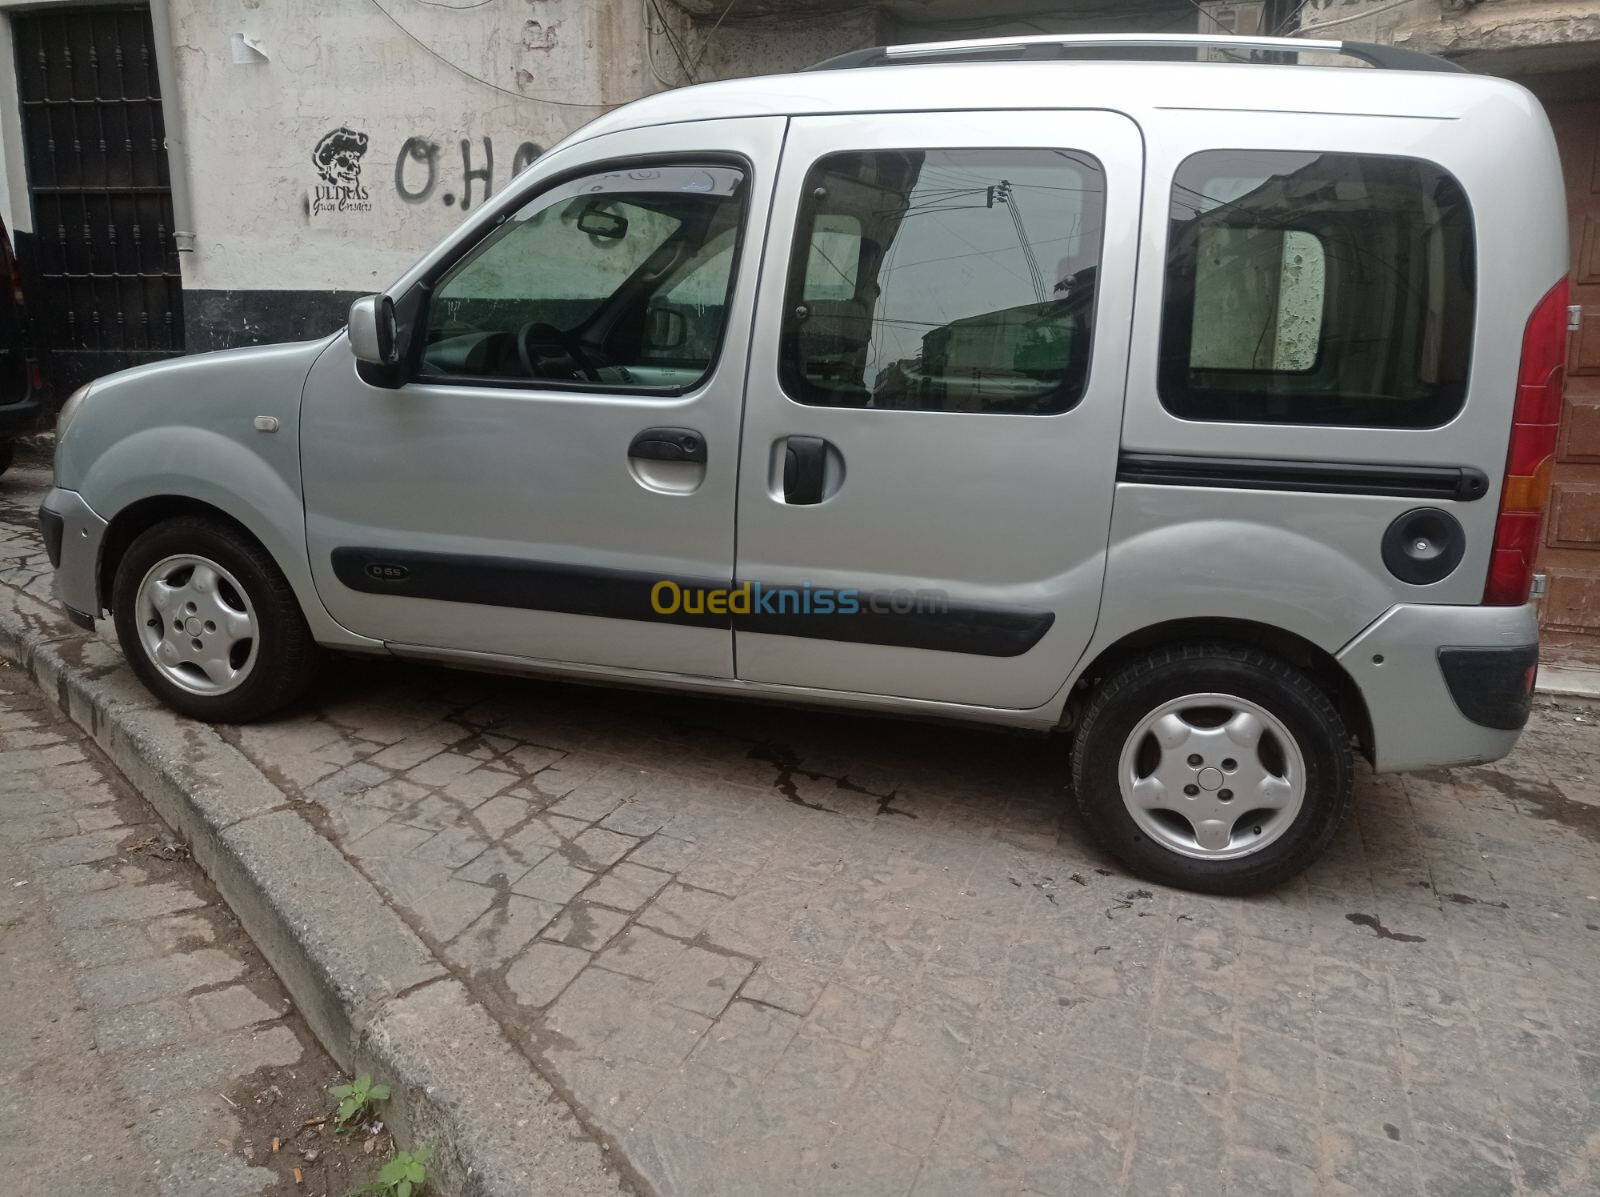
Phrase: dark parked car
[21,384]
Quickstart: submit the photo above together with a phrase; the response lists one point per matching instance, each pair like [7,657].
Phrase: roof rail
[1056,47]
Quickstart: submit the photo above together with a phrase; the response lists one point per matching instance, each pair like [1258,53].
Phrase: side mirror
[374,334]
[666,328]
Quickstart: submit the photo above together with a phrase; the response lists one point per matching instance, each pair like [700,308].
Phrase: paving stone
[626,887]
[113,944]
[554,879]
[441,769]
[850,1016]
[1175,1122]
[88,847]
[747,1039]
[499,815]
[683,912]
[233,1008]
[509,924]
[1249,1174]
[787,984]
[455,846]
[135,906]
[500,866]
[582,925]
[702,981]
[598,848]
[147,1025]
[388,841]
[641,952]
[452,907]
[115,985]
[182,932]
[543,971]
[665,852]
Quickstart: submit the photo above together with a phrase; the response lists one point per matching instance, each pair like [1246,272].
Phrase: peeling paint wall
[328,143]
[359,138]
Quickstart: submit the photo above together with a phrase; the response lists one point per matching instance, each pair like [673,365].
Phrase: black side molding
[900,619]
[524,585]
[1460,483]
[903,620]
[1493,687]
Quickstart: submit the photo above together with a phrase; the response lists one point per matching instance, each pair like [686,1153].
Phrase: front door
[565,434]
[935,396]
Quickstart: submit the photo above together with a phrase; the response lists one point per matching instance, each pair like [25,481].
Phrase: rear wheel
[209,623]
[1213,768]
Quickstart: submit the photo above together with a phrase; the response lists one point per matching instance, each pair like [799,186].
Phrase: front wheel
[1213,768]
[209,623]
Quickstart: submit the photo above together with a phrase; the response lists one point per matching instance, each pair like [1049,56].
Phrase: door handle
[669,444]
[805,460]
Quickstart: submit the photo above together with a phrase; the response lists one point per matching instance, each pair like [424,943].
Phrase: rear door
[932,412]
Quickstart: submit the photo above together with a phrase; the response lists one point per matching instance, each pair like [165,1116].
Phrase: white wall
[263,215]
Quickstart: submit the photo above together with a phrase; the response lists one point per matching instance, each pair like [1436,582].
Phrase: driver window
[620,279]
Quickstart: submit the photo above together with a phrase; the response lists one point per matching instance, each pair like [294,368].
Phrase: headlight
[69,409]
[64,418]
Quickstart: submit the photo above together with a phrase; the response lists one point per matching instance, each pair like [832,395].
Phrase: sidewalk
[1567,671]
[760,950]
[146,1048]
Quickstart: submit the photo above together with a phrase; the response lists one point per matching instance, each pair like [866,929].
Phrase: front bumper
[73,533]
[1444,685]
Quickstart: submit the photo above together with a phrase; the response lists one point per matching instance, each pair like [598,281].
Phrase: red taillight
[1535,421]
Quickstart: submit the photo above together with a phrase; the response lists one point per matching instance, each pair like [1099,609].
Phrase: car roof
[1132,87]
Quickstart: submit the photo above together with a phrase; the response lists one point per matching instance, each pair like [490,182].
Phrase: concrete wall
[328,144]
[325,144]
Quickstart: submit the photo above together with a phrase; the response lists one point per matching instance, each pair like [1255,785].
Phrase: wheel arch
[146,511]
[139,517]
[1320,664]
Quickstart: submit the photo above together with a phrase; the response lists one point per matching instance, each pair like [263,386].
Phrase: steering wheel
[536,338]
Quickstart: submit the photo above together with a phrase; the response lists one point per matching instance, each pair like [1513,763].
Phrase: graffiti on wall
[421,172]
[337,158]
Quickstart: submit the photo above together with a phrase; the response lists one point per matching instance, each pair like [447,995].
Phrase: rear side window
[1317,289]
[944,280]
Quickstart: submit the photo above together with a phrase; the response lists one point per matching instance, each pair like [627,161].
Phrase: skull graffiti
[338,157]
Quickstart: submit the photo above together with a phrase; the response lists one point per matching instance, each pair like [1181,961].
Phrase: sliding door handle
[805,461]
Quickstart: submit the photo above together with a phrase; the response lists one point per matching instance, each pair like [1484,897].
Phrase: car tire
[209,623]
[1212,767]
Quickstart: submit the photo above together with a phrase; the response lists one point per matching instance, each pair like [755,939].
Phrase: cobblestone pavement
[769,951]
[132,1002]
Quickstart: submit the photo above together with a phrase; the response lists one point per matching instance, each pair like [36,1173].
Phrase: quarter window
[945,280]
[620,279]
[1316,289]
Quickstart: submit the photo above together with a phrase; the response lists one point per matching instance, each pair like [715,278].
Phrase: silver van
[1168,391]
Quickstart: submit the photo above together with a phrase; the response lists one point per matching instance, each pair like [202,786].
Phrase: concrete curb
[368,986]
